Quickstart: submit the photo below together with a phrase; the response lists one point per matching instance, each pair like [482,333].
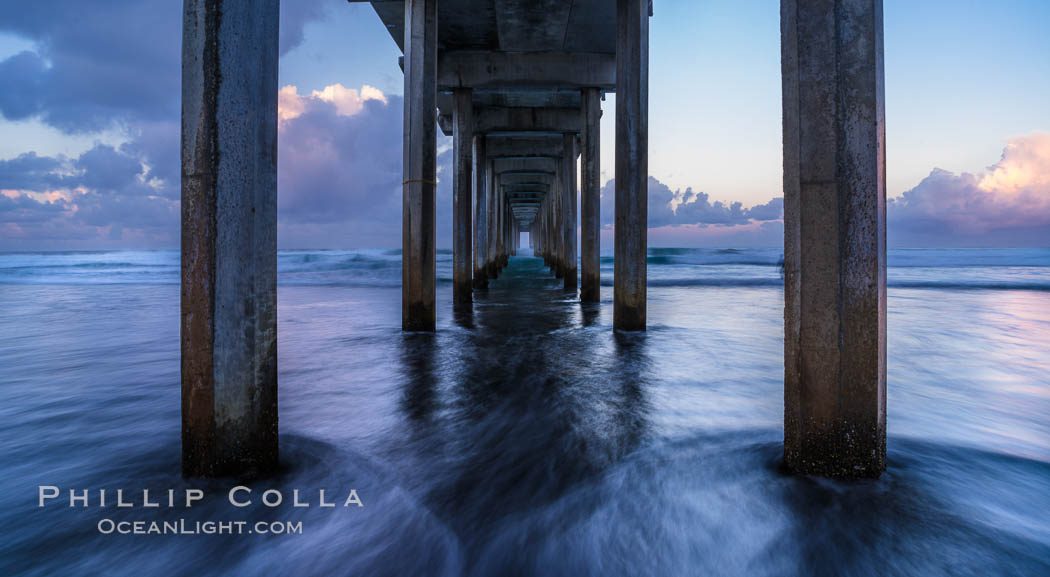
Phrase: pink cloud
[347,101]
[1007,204]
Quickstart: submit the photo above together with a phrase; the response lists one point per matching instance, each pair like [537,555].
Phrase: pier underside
[518,85]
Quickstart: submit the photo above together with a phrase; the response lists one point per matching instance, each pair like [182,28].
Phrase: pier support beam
[545,242]
[499,225]
[463,144]
[558,221]
[544,234]
[569,207]
[548,226]
[506,230]
[418,267]
[552,225]
[229,237]
[590,198]
[492,250]
[481,223]
[632,163]
[835,237]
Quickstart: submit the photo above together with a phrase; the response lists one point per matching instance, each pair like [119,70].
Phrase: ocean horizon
[946,268]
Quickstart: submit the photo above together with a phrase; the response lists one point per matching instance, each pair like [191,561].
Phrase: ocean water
[525,437]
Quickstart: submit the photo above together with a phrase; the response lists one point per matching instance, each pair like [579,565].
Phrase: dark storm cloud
[99,64]
[28,171]
[93,66]
[25,71]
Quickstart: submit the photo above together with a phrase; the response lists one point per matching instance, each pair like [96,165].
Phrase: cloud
[754,234]
[1008,205]
[339,169]
[295,15]
[29,171]
[51,201]
[676,208]
[347,101]
[97,67]
[772,210]
[339,185]
[1023,171]
[25,210]
[339,180]
[25,70]
[93,69]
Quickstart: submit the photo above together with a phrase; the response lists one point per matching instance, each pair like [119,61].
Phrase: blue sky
[966,82]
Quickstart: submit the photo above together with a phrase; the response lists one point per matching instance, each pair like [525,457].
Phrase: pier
[518,84]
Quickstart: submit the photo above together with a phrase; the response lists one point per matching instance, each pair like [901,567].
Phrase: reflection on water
[520,412]
[525,437]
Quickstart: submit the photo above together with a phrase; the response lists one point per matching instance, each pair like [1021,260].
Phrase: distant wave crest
[942,269]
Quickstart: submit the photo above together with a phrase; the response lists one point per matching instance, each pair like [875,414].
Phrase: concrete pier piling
[229,237]
[463,150]
[505,228]
[590,198]
[541,233]
[835,237]
[497,259]
[548,226]
[558,210]
[548,207]
[500,224]
[481,226]
[568,203]
[492,248]
[536,237]
[632,164]
[418,266]
[545,225]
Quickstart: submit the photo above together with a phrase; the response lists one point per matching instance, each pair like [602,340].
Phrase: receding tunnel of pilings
[520,90]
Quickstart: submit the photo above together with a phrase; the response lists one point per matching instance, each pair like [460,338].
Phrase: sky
[89,118]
